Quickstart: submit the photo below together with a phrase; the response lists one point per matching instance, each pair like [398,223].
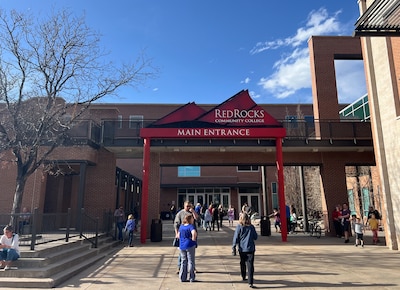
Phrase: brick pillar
[323,52]
[333,187]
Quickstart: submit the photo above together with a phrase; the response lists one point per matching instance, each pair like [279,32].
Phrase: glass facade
[358,110]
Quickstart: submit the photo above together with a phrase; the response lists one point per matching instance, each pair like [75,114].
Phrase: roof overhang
[382,18]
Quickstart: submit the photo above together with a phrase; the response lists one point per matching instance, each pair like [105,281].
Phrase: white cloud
[253,95]
[245,81]
[318,23]
[292,72]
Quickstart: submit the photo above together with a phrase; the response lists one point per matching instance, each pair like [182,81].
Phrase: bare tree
[51,70]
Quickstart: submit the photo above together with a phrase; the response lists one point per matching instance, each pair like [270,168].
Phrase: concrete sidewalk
[303,262]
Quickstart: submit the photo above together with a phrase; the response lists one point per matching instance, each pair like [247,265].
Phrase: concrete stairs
[51,264]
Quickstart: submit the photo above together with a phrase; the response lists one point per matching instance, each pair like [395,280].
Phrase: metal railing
[38,228]
[114,131]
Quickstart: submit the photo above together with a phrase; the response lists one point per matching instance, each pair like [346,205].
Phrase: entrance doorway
[205,196]
[252,200]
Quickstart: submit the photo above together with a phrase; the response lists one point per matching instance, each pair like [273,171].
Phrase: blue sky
[209,50]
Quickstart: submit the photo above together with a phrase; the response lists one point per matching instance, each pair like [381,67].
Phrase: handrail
[42,228]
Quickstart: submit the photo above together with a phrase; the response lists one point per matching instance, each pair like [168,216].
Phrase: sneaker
[355,245]
[251,286]
[7,268]
[346,241]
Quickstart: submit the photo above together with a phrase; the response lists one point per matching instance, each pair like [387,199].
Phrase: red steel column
[281,189]
[145,191]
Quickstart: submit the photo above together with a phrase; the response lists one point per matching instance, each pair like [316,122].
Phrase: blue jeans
[187,264]
[130,239]
[8,255]
[247,259]
[120,227]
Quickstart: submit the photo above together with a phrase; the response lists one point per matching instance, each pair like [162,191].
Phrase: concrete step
[47,272]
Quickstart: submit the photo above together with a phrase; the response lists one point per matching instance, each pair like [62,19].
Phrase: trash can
[265,226]
[156,230]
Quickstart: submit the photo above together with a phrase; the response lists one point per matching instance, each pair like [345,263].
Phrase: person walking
[359,230]
[187,235]
[373,223]
[119,215]
[129,228]
[244,237]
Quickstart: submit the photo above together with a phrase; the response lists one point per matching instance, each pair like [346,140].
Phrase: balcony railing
[118,131]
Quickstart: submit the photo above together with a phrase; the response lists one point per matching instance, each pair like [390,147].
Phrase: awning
[382,18]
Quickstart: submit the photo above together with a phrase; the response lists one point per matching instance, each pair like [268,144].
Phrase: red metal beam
[281,188]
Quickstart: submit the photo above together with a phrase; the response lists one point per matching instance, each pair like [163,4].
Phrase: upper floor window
[135,121]
[188,171]
[119,122]
[252,168]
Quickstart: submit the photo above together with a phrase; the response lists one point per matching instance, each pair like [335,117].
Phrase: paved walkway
[303,262]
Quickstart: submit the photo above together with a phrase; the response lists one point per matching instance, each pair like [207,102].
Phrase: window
[135,121]
[119,126]
[252,168]
[188,171]
[274,193]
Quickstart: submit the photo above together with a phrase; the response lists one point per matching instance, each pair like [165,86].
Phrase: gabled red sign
[237,117]
[240,111]
[188,112]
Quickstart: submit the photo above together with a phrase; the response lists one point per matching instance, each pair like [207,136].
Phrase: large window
[188,171]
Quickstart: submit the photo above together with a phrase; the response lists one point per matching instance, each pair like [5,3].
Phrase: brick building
[103,174]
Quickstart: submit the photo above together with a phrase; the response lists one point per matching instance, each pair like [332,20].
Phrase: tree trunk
[19,191]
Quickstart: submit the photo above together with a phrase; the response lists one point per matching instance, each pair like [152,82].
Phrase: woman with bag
[187,244]
[244,236]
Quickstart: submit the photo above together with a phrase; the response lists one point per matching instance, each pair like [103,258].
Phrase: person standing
[9,245]
[244,237]
[187,235]
[231,215]
[215,217]
[119,215]
[130,227]
[277,219]
[187,210]
[221,214]
[336,221]
[373,223]
[207,220]
[345,220]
